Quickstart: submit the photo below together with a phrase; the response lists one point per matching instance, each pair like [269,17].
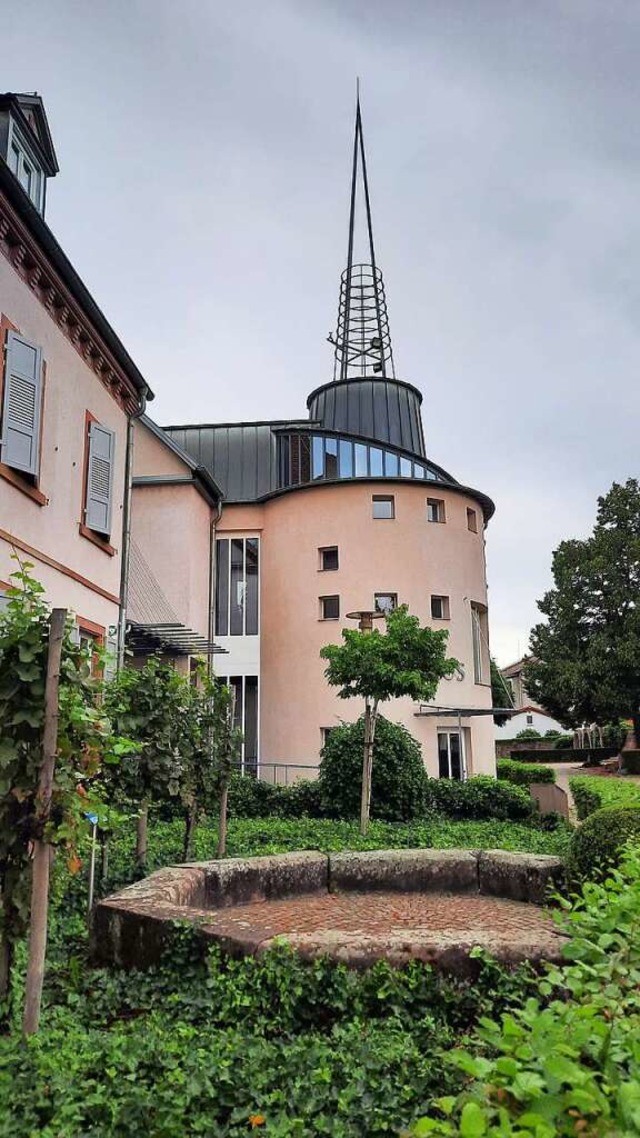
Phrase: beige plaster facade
[408,556]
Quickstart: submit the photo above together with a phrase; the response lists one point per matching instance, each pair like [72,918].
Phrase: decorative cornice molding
[34,268]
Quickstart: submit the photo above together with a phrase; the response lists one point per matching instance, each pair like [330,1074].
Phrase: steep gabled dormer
[26,144]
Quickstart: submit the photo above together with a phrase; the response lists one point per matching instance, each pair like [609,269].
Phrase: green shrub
[398,778]
[563,742]
[252,797]
[598,843]
[302,799]
[480,798]
[631,762]
[586,798]
[591,792]
[529,733]
[523,774]
[552,733]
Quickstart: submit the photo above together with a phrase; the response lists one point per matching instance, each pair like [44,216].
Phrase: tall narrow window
[472,521]
[252,574]
[222,587]
[318,456]
[375,459]
[237,586]
[331,458]
[450,764]
[361,470]
[479,633]
[346,459]
[250,745]
[383,506]
[99,479]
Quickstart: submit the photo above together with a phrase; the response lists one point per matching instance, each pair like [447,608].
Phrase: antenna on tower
[362,342]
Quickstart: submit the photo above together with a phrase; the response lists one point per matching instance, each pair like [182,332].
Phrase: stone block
[519,876]
[236,881]
[445,871]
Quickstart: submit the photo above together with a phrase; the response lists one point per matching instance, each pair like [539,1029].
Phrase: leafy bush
[552,733]
[252,798]
[631,761]
[398,778]
[564,742]
[480,797]
[523,774]
[591,792]
[598,843]
[529,733]
[566,1063]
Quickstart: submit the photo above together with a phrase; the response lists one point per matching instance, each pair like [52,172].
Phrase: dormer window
[26,169]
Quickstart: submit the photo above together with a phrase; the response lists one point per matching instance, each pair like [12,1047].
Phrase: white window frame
[445,606]
[18,142]
[394,600]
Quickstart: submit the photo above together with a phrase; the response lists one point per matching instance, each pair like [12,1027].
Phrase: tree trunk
[141,836]
[191,818]
[636,727]
[42,851]
[222,821]
[104,857]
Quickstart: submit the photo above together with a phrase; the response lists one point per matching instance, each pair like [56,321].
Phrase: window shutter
[21,404]
[100,478]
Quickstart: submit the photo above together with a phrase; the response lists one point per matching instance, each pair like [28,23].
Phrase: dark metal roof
[43,236]
[18,104]
[387,410]
[241,457]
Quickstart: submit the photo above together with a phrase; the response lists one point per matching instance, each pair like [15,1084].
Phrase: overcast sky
[204,150]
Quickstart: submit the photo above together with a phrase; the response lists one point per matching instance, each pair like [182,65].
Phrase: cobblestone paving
[396,925]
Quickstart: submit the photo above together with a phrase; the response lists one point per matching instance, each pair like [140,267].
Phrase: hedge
[523,774]
[598,844]
[593,755]
[631,762]
[592,792]
[480,798]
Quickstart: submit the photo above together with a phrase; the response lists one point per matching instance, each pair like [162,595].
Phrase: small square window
[385,602]
[329,557]
[383,507]
[472,520]
[325,733]
[529,720]
[435,510]
[329,608]
[440,608]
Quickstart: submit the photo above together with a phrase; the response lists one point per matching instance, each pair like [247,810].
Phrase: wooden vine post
[42,850]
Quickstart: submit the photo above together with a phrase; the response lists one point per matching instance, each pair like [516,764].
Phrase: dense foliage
[591,792]
[599,842]
[585,664]
[398,778]
[523,774]
[567,1062]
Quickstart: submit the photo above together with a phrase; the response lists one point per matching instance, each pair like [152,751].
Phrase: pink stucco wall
[408,556]
[71,389]
[171,524]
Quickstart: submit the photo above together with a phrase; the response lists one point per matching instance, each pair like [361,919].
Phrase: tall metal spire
[362,341]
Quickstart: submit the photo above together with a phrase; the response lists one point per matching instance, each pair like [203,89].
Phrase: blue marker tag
[93,818]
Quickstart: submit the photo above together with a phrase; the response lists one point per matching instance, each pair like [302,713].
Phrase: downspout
[126,529]
[212,581]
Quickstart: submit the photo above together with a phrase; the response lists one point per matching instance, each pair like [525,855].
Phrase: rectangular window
[325,733]
[361,470]
[244,695]
[391,464]
[346,459]
[329,608]
[98,490]
[385,602]
[472,521]
[450,762]
[405,468]
[383,507]
[479,633]
[318,456]
[21,405]
[329,558]
[375,459]
[439,608]
[331,458]
[435,510]
[237,586]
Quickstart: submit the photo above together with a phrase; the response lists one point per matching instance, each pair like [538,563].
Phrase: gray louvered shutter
[100,478]
[21,404]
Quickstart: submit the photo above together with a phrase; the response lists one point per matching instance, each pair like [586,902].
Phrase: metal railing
[281,774]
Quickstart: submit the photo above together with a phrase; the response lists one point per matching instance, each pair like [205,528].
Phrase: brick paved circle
[362,927]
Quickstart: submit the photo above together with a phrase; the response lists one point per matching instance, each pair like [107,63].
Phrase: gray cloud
[204,152]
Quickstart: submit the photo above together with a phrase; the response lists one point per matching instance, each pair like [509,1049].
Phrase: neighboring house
[68,392]
[323,516]
[529,716]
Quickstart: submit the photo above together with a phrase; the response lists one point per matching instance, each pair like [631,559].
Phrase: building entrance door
[451,762]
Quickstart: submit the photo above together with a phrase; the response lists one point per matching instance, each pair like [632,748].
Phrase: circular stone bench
[398,905]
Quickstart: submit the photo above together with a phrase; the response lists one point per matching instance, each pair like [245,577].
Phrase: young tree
[227,743]
[151,705]
[42,806]
[209,748]
[501,694]
[585,664]
[406,660]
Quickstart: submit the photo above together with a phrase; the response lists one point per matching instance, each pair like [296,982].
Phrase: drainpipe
[212,581]
[126,529]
